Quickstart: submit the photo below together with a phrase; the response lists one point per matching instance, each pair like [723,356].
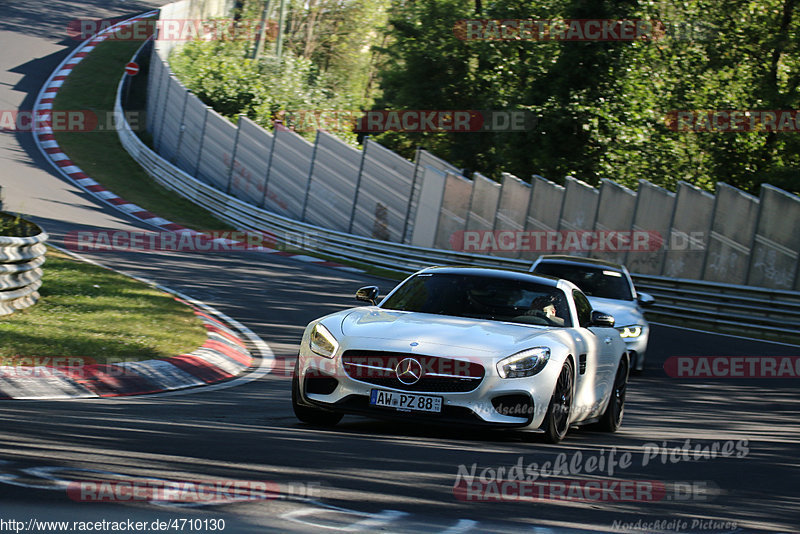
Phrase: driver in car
[545,305]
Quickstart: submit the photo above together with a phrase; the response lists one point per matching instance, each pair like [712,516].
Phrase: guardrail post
[633,222]
[358,185]
[200,148]
[669,232]
[561,210]
[310,173]
[753,240]
[471,199]
[157,142]
[156,84]
[411,195]
[182,127]
[269,166]
[233,156]
[708,237]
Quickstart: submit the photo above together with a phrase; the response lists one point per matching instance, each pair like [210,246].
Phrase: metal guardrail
[734,308]
[21,260]
[749,310]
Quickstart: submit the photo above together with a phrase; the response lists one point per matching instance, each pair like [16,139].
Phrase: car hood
[625,312]
[398,330]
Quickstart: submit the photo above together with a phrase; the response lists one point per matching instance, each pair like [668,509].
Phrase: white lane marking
[383,518]
[463,525]
[369,521]
[726,335]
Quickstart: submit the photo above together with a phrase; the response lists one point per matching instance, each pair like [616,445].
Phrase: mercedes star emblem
[408,371]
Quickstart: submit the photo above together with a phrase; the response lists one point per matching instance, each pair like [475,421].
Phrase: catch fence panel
[615,211]
[384,189]
[654,207]
[688,235]
[249,171]
[774,257]
[215,157]
[288,174]
[732,231]
[333,183]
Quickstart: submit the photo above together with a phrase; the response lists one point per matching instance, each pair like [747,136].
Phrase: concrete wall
[483,203]
[431,175]
[688,236]
[653,213]
[579,209]
[333,183]
[775,249]
[455,209]
[732,231]
[544,210]
[615,210]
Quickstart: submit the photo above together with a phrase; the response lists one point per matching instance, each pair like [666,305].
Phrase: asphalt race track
[363,475]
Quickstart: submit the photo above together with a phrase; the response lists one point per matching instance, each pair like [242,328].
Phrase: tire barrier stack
[21,260]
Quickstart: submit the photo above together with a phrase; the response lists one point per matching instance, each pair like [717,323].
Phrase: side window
[583,307]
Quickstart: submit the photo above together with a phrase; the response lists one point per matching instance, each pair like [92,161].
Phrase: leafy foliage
[326,64]
[603,105]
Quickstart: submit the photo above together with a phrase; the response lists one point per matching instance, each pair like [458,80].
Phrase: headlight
[322,341]
[525,363]
[631,331]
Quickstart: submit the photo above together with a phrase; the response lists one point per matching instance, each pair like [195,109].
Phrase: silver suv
[610,290]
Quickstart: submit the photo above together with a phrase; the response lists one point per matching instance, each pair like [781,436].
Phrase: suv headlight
[632,331]
[525,363]
[322,341]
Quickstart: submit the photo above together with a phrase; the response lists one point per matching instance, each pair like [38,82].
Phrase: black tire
[612,417]
[556,422]
[307,414]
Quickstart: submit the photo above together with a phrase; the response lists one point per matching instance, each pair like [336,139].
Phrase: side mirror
[645,299]
[602,319]
[368,294]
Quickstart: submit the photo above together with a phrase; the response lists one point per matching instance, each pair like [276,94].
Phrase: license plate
[405,401]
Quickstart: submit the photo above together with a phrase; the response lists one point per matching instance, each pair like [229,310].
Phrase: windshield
[593,281]
[482,297]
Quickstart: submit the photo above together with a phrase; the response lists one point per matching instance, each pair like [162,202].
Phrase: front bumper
[496,402]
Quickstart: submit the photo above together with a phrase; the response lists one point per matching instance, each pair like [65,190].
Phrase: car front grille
[443,375]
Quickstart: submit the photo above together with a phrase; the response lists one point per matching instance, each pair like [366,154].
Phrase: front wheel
[556,422]
[308,414]
[612,417]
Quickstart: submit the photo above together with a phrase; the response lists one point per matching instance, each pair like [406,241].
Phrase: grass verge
[86,311]
[92,86]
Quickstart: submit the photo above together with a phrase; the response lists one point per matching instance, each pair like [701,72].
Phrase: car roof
[495,273]
[578,260]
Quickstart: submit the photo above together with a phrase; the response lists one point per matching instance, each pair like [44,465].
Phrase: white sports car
[466,346]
